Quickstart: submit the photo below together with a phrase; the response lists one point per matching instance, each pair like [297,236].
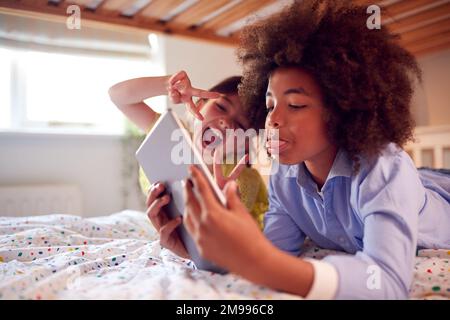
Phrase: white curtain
[54,36]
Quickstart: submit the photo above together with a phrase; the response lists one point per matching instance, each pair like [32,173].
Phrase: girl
[338,96]
[218,109]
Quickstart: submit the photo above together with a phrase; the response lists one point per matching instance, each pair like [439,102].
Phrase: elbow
[396,288]
[399,291]
[398,282]
[389,290]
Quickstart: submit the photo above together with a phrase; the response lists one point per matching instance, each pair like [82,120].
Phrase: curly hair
[366,77]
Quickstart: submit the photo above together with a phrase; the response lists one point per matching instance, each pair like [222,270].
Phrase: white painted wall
[205,63]
[94,163]
[432,102]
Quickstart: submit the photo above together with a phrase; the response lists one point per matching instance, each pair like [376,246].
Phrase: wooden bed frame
[431,148]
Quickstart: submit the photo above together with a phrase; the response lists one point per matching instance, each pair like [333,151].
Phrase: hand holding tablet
[161,161]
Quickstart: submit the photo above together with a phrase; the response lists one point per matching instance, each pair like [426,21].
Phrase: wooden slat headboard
[431,148]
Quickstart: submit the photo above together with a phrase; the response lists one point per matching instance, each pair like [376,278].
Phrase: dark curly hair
[228,85]
[366,77]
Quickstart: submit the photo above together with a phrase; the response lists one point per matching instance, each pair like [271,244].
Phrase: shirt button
[341,239]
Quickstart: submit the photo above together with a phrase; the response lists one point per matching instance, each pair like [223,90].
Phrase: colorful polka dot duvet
[119,257]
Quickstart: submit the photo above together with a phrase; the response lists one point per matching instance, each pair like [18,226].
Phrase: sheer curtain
[54,36]
[59,77]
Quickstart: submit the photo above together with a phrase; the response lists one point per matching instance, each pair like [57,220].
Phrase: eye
[294,106]
[222,108]
[269,108]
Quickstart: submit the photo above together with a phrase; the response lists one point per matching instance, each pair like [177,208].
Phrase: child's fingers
[177,77]
[193,109]
[239,168]
[156,215]
[204,94]
[206,196]
[234,202]
[154,192]
[193,209]
[217,169]
[167,230]
[174,96]
[189,224]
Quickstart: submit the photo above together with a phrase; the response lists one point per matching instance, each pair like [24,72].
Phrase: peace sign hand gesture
[181,91]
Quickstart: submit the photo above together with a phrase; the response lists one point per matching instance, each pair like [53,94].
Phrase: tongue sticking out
[212,139]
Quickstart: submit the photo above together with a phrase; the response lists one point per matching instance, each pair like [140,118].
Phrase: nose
[275,118]
[225,123]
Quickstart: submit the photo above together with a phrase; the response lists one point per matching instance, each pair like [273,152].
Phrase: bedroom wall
[94,162]
[206,63]
[431,104]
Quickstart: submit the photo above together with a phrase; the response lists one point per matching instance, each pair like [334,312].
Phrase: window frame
[17,109]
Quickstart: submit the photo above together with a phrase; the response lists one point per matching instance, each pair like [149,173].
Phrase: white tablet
[165,156]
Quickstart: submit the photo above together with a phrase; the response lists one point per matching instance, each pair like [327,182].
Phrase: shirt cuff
[325,283]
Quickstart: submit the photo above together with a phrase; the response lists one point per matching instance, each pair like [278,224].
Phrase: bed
[119,257]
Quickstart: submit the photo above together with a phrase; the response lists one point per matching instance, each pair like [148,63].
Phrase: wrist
[282,271]
[262,263]
[166,81]
[151,87]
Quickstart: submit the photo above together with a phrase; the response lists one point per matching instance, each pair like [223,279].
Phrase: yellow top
[252,189]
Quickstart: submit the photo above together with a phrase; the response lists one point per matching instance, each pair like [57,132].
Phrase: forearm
[281,271]
[137,90]
[129,95]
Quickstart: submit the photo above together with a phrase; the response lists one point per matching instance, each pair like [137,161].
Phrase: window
[5,89]
[65,92]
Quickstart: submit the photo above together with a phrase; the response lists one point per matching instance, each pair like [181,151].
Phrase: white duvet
[119,257]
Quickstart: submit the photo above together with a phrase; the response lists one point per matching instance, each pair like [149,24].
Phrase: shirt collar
[342,167]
